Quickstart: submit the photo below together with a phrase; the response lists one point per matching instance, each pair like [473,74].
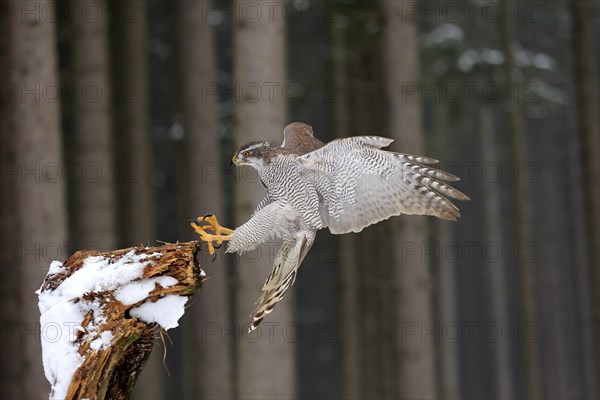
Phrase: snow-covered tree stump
[101,312]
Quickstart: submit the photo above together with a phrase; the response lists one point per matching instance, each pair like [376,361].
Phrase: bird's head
[254,154]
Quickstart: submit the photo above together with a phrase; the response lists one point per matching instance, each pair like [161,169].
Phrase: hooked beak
[236,161]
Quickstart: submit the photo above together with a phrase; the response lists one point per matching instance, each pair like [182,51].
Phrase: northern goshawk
[344,185]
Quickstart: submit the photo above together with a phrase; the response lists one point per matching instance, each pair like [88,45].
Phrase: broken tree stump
[100,314]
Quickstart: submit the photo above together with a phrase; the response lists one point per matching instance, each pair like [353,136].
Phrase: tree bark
[586,78]
[111,371]
[11,356]
[447,305]
[265,367]
[211,362]
[497,270]
[133,144]
[528,312]
[93,189]
[589,125]
[416,362]
[34,123]
[564,376]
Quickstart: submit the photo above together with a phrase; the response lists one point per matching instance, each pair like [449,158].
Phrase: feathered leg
[282,277]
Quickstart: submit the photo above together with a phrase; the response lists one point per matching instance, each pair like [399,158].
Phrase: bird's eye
[245,154]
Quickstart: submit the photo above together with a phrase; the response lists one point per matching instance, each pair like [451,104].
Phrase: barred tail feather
[282,277]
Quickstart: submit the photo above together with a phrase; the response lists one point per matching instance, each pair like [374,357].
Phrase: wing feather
[359,184]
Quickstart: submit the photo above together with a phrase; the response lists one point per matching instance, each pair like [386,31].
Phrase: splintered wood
[115,304]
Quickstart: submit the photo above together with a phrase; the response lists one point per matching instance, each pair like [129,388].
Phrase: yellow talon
[220,235]
[214,225]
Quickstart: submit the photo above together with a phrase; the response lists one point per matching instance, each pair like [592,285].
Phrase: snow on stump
[100,313]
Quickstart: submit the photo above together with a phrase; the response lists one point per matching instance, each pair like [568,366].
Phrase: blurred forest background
[118,120]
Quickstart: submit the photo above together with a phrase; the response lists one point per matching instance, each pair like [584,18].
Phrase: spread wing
[359,184]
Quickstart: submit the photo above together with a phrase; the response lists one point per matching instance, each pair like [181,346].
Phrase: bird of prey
[344,185]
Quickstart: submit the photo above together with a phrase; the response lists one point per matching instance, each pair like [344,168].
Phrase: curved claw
[196,222]
[214,257]
[217,246]
[207,216]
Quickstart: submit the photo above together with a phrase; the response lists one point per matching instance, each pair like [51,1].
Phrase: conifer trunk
[265,367]
[94,224]
[208,366]
[40,220]
[416,356]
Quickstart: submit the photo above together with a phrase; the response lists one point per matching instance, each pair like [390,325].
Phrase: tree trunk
[11,357]
[497,270]
[265,365]
[528,312]
[210,363]
[40,217]
[447,305]
[133,156]
[416,363]
[588,101]
[93,184]
[561,360]
[589,125]
[132,137]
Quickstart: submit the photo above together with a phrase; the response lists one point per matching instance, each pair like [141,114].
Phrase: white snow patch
[103,341]
[56,267]
[138,290]
[166,311]
[61,317]
[59,354]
